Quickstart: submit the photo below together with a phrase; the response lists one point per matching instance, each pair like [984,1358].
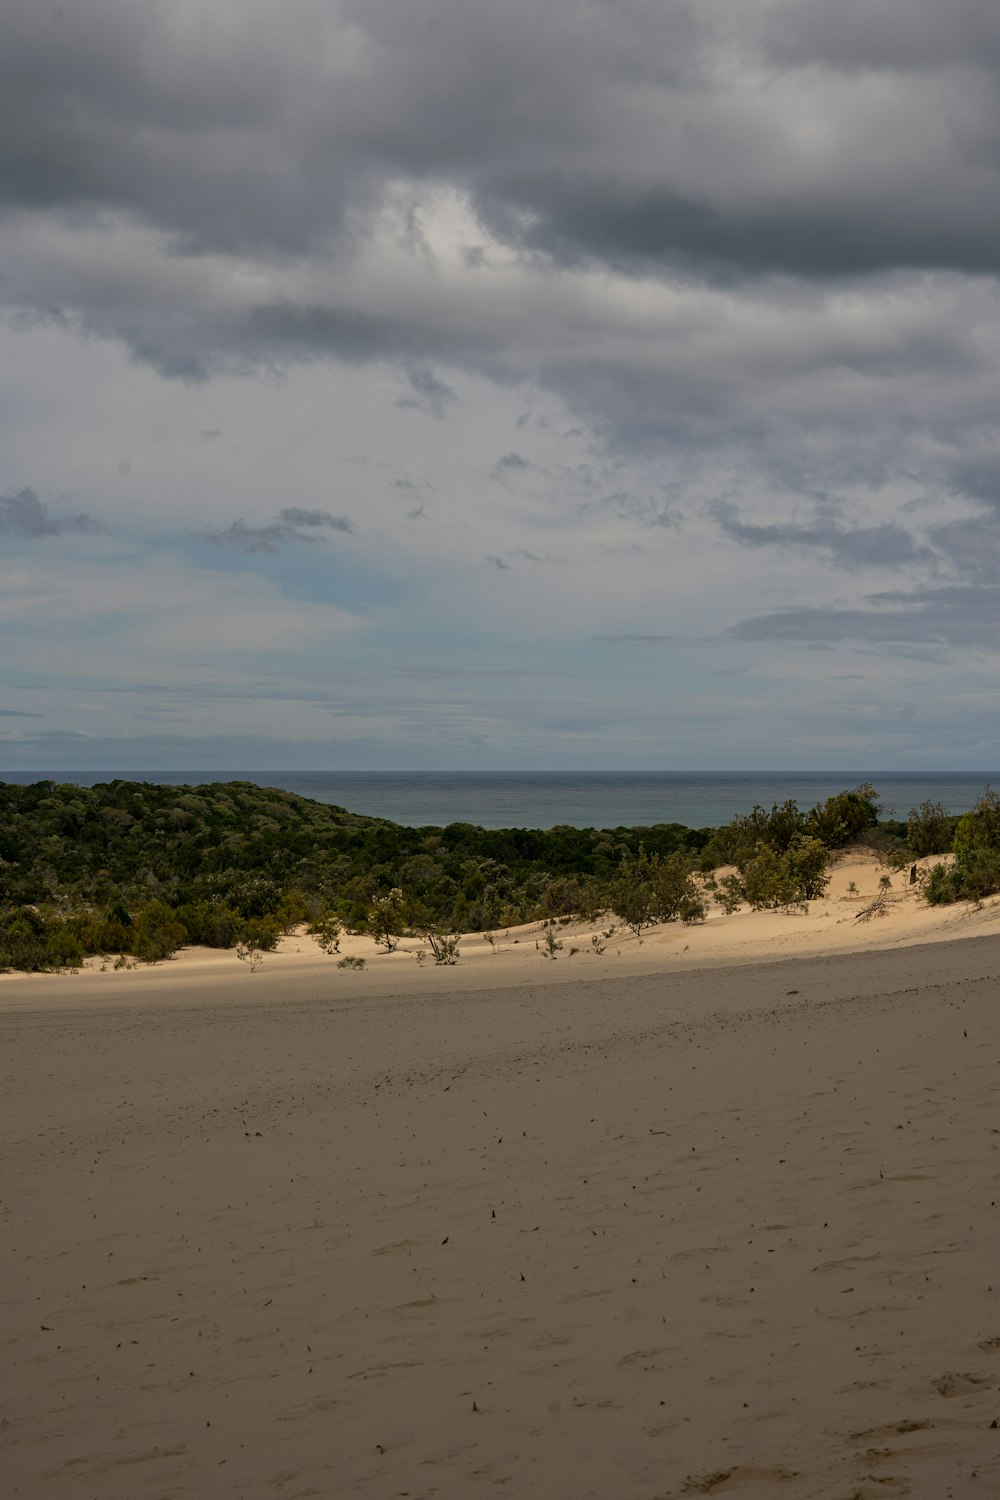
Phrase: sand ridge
[516,956]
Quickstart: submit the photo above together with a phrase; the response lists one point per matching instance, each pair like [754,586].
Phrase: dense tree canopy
[137,868]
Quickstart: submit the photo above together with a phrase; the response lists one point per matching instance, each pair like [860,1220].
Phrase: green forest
[137,870]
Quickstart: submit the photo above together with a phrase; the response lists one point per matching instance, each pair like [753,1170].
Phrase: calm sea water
[583,799]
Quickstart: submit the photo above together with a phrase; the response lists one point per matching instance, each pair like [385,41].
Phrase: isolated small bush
[551,945]
[249,955]
[327,932]
[444,946]
[939,887]
[385,918]
[806,861]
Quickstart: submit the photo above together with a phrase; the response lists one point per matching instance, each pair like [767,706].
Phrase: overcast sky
[443,383]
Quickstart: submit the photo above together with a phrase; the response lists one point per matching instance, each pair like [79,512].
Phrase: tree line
[135,870]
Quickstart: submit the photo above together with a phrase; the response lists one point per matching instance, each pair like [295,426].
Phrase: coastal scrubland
[132,871]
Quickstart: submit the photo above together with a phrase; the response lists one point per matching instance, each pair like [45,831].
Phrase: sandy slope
[647,1225]
[517,956]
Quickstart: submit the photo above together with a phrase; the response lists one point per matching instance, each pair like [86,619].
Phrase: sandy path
[723,1231]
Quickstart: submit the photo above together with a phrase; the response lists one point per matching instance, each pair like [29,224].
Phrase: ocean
[581,799]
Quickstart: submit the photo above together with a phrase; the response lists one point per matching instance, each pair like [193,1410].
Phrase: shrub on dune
[975,873]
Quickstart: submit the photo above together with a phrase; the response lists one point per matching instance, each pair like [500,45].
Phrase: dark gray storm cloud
[971,545]
[300,117]
[892,35]
[292,524]
[954,617]
[626,133]
[978,476]
[26,515]
[884,546]
[775,150]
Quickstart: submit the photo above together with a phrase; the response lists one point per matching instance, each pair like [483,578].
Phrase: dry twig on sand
[876,908]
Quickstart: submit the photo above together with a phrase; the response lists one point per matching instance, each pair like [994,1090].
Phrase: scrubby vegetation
[135,871]
[648,889]
[847,818]
[975,870]
[930,829]
[781,855]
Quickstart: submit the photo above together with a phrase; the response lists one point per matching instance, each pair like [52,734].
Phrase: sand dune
[834,924]
[665,1222]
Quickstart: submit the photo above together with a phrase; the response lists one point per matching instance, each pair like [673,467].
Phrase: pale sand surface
[653,1224]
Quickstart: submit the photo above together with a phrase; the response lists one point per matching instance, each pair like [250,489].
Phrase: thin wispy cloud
[853,547]
[428,392]
[637,640]
[948,617]
[291,525]
[24,514]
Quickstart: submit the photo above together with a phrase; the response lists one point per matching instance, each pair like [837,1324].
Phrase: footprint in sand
[882,1487]
[148,1457]
[891,1429]
[308,1409]
[955,1383]
[723,1480]
[645,1357]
